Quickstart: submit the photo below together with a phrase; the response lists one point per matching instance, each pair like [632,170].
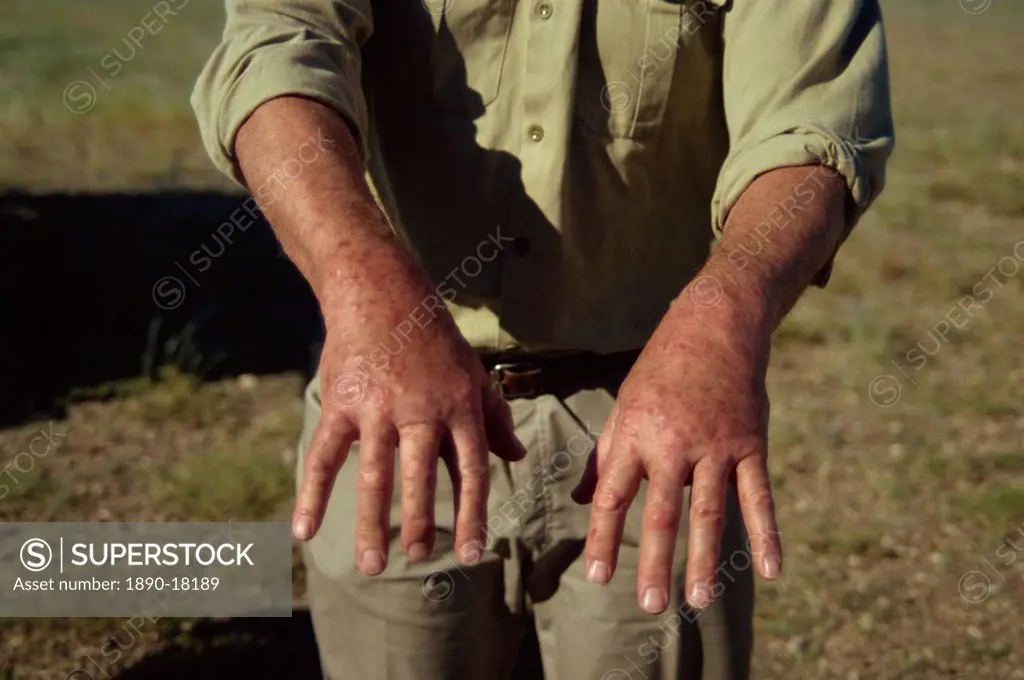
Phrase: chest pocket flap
[629,53]
[468,52]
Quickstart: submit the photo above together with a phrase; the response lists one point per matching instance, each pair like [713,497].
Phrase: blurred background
[165,363]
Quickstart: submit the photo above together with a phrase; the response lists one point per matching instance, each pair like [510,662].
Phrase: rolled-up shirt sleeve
[273,48]
[805,82]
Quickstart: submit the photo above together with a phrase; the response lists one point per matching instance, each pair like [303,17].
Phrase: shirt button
[545,10]
[536,133]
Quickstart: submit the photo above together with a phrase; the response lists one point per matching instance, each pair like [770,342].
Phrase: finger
[328,449]
[418,450]
[373,498]
[584,491]
[615,491]
[662,512]
[473,485]
[499,426]
[707,517]
[758,507]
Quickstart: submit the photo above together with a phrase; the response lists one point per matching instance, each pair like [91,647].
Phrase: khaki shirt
[562,168]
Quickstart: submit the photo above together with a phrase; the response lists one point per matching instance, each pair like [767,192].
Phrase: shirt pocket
[629,53]
[468,54]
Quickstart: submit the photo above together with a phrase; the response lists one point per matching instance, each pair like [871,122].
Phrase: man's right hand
[395,371]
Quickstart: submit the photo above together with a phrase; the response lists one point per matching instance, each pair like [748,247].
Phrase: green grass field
[897,439]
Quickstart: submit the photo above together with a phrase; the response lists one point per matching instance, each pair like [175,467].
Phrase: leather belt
[530,375]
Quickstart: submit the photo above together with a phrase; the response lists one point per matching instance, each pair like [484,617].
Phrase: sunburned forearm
[431,396]
[694,409]
[780,233]
[303,166]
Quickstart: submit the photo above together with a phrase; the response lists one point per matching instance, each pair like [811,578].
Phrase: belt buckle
[518,369]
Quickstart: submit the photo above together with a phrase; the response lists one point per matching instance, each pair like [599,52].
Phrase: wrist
[737,296]
[728,310]
[367,268]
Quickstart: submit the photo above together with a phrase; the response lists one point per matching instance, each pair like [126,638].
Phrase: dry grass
[171,450]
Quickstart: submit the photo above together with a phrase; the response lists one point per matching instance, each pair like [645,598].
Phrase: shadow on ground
[99,288]
[263,649]
[249,649]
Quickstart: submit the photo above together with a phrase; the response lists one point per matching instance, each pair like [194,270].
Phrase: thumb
[584,491]
[326,454]
[499,427]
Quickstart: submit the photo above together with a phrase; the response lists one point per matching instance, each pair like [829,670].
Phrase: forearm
[317,203]
[780,233]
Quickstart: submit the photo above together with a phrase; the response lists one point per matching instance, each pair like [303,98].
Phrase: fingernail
[303,529]
[418,552]
[372,562]
[598,572]
[470,556]
[771,565]
[654,600]
[699,596]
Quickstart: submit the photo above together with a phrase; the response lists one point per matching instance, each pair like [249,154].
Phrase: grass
[1001,507]
[139,132]
[171,449]
[200,486]
[157,450]
[883,509]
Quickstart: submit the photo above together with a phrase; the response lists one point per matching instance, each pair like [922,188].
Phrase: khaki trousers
[441,620]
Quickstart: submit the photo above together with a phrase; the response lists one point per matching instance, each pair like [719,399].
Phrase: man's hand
[694,408]
[386,381]
[424,392]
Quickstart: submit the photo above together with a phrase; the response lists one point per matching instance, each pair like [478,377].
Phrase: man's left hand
[693,410]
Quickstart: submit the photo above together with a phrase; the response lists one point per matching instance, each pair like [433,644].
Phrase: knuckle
[417,430]
[672,439]
[703,568]
[418,471]
[377,405]
[372,479]
[319,466]
[610,502]
[713,455]
[418,527]
[474,473]
[462,390]
[631,419]
[750,446]
[709,514]
[333,415]
[761,543]
[759,500]
[475,488]
[661,516]
[371,535]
